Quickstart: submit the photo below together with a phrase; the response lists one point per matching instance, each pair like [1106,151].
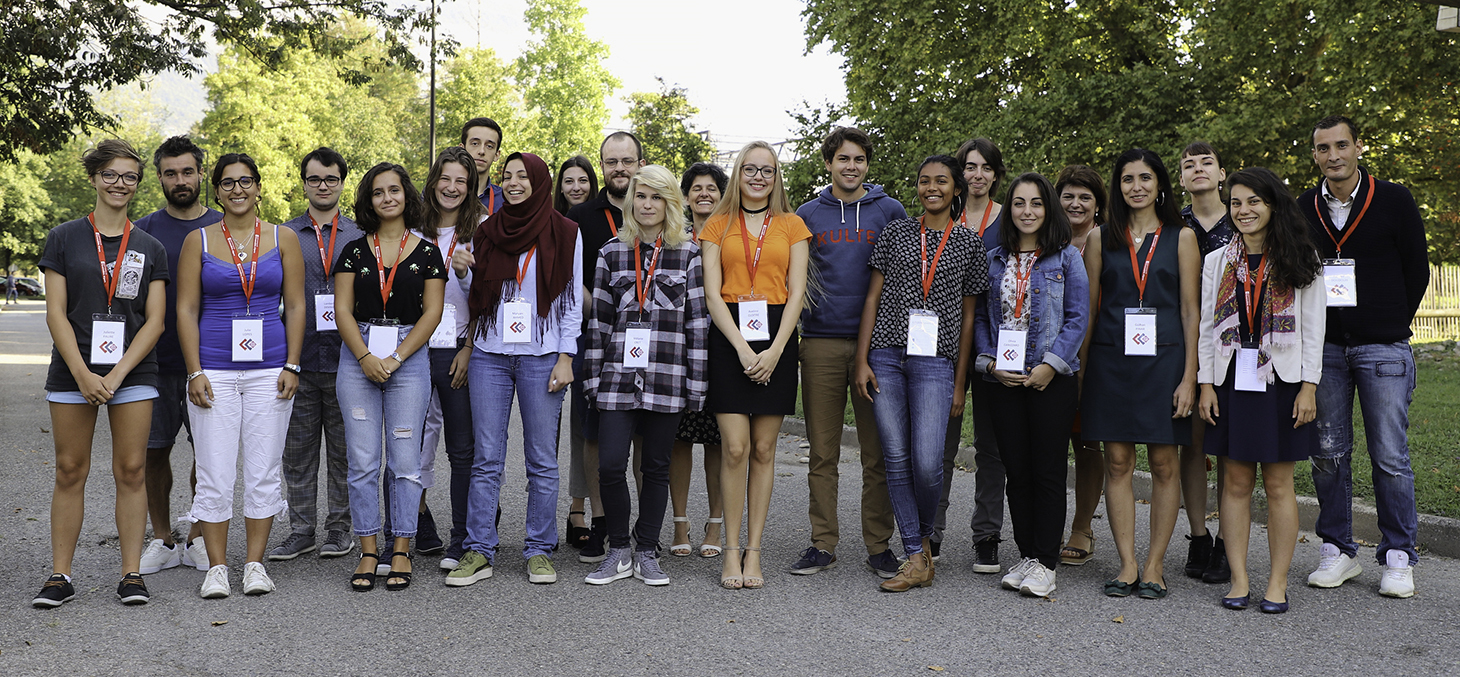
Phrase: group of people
[675,311]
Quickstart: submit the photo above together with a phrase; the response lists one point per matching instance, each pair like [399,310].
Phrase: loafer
[1119,588]
[1151,590]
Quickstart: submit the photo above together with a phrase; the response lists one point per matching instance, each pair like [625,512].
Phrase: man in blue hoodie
[844,220]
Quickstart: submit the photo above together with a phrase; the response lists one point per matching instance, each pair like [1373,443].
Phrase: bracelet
[362,356]
[194,375]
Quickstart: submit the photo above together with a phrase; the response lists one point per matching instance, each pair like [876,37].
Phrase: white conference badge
[1140,331]
[324,312]
[445,334]
[755,323]
[1340,283]
[636,346]
[517,321]
[108,338]
[131,281]
[1247,372]
[922,333]
[383,339]
[248,338]
[1010,355]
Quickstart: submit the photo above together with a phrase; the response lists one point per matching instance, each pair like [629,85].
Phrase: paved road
[833,623]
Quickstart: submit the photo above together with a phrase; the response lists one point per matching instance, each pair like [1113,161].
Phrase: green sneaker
[473,567]
[540,570]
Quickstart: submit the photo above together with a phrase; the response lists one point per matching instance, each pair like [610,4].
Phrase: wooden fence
[1438,318]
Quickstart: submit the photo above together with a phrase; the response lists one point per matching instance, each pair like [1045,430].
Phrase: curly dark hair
[1290,252]
[365,216]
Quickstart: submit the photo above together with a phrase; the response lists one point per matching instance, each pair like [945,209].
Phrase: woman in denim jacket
[1043,311]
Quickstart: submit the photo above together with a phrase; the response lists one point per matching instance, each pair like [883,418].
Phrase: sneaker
[256,579]
[159,556]
[812,561]
[593,550]
[1198,554]
[428,542]
[1015,577]
[986,556]
[448,563]
[195,555]
[1217,571]
[936,549]
[337,544]
[293,546]
[215,584]
[57,591]
[616,564]
[132,591]
[473,567]
[1038,580]
[884,564]
[1398,580]
[646,568]
[540,570]
[1334,568]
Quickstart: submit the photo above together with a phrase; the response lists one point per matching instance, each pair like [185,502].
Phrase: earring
[1160,198]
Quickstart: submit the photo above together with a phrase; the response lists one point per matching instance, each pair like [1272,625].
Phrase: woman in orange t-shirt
[751,283]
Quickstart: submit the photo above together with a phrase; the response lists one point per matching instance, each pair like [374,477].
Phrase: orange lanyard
[108,277]
[639,269]
[324,255]
[1141,272]
[451,250]
[611,225]
[1021,282]
[491,199]
[253,266]
[1338,244]
[1247,285]
[753,265]
[385,285]
[983,225]
[522,272]
[929,272]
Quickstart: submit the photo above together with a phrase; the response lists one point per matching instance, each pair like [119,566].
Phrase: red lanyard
[451,250]
[983,225]
[1338,244]
[929,272]
[639,270]
[753,265]
[325,254]
[253,266]
[522,272]
[491,199]
[1021,281]
[385,284]
[1247,284]
[108,277]
[1141,272]
[607,214]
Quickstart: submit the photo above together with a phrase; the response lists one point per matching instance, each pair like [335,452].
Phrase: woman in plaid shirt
[646,364]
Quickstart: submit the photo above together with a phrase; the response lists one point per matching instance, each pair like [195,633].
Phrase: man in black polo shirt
[1376,269]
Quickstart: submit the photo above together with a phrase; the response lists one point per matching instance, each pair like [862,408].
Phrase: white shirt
[1338,209]
[455,293]
[563,323]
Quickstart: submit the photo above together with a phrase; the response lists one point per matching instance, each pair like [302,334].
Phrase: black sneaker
[428,542]
[1198,554]
[937,548]
[986,556]
[132,591]
[1217,570]
[54,593]
[884,564]
[812,561]
[593,549]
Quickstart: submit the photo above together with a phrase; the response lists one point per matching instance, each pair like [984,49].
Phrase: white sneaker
[1398,580]
[159,556]
[1016,574]
[195,554]
[449,563]
[1334,568]
[215,584]
[1038,580]
[256,580]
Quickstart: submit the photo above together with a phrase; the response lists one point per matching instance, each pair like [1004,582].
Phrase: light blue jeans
[495,378]
[911,406]
[396,411]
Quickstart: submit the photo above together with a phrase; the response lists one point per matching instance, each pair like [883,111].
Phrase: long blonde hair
[779,204]
[658,179]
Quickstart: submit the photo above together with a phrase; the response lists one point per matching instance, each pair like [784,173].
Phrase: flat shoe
[1269,607]
[1236,603]
[1150,590]
[1119,588]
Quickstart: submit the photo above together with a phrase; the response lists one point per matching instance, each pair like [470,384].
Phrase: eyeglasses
[110,177]
[315,181]
[750,171]
[614,162]
[244,182]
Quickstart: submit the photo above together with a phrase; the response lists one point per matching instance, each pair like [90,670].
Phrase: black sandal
[403,575]
[577,536]
[364,582]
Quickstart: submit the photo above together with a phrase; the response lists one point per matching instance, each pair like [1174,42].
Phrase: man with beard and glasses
[179,164]
[598,220]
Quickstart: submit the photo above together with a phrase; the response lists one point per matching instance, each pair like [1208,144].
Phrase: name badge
[922,333]
[248,338]
[755,323]
[1010,356]
[445,334]
[383,339]
[1339,283]
[324,312]
[131,280]
[1247,371]
[636,346]
[1140,331]
[108,338]
[516,322]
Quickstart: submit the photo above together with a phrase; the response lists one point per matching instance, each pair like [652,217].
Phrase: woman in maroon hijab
[526,312]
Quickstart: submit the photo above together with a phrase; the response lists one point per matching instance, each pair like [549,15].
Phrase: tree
[479,84]
[563,82]
[661,121]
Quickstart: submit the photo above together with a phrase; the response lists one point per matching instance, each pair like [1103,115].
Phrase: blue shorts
[125,395]
[169,412]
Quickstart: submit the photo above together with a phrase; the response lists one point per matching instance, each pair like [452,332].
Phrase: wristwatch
[396,356]
[292,367]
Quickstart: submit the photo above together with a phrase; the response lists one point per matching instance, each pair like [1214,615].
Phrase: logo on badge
[329,316]
[247,344]
[517,327]
[108,347]
[755,325]
[1337,290]
[1140,339]
[636,352]
[1011,354]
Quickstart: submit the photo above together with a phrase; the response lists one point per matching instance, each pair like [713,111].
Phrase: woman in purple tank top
[242,365]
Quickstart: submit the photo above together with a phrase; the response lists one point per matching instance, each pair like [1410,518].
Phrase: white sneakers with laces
[215,584]
[159,556]
[195,554]
[1038,580]
[256,580]
[1015,577]
[1334,568]
[1398,580]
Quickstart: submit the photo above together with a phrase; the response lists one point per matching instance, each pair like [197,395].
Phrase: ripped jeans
[395,409]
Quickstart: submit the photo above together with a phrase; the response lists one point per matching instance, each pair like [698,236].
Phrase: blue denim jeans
[1384,376]
[911,407]
[494,380]
[395,410]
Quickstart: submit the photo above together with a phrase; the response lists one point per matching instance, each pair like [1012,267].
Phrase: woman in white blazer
[1260,355]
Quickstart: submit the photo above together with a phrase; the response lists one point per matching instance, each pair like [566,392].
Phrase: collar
[1329,197]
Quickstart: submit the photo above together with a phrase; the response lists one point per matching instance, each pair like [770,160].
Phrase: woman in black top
[389,290]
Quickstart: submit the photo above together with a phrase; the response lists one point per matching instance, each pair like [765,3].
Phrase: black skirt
[732,392]
[698,427]
[1258,427]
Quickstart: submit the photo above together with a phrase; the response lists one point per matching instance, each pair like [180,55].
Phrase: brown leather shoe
[916,572]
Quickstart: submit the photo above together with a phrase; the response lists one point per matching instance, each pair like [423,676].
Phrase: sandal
[404,576]
[751,582]
[732,582]
[707,549]
[577,536]
[1075,556]
[364,582]
[681,549]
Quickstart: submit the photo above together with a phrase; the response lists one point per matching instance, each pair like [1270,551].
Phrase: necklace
[756,211]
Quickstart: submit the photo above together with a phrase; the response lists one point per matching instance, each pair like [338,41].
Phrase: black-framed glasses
[315,181]
[244,182]
[750,171]
[110,177]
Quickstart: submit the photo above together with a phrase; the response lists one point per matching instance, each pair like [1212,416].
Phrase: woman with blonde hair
[755,259]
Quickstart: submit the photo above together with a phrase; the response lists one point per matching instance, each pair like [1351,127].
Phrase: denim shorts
[169,412]
[125,395]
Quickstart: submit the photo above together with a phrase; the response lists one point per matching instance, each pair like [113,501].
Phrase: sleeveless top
[1118,289]
[223,299]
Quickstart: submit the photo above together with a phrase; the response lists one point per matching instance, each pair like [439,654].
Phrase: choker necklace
[755,211]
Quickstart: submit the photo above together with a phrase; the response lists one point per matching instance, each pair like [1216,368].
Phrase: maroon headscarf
[516,228]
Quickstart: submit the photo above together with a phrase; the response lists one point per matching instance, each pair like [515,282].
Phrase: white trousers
[246,415]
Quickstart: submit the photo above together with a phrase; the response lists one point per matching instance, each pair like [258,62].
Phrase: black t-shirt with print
[963,270]
[406,292]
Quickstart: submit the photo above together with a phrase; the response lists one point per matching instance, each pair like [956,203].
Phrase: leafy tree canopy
[661,121]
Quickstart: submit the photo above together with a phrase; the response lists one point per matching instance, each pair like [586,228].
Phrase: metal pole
[432,158]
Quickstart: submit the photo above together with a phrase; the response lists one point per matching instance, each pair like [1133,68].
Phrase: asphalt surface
[835,622]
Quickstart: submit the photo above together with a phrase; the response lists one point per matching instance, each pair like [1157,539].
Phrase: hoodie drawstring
[844,211]
[859,220]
